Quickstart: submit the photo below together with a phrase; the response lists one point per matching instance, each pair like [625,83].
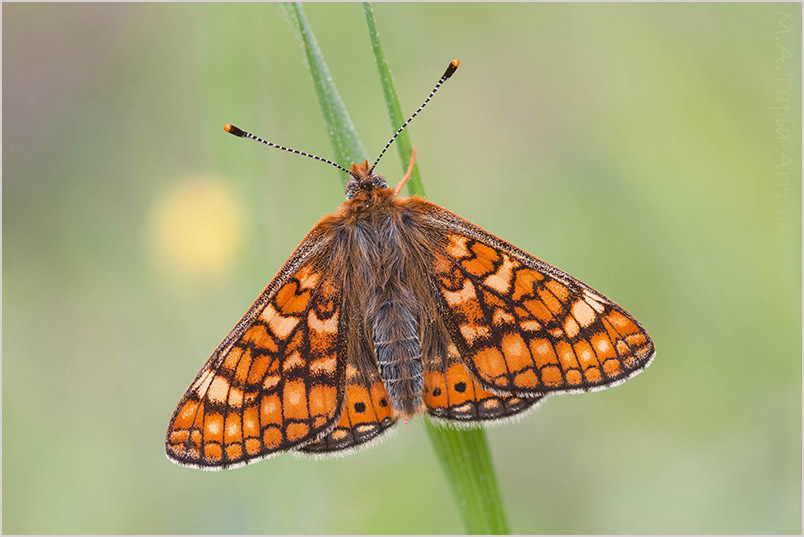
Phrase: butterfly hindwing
[277,379]
[525,327]
[451,394]
[367,411]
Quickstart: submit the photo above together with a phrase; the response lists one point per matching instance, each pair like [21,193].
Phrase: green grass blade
[464,454]
[403,144]
[465,458]
[342,134]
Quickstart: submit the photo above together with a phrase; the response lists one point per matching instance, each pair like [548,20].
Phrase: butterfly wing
[277,380]
[523,326]
[451,394]
[367,412]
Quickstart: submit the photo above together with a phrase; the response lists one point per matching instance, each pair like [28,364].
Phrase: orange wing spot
[319,421]
[471,332]
[592,374]
[378,393]
[213,427]
[455,298]
[622,348]
[323,400]
[290,301]
[272,437]
[202,384]
[565,355]
[195,437]
[213,452]
[253,446]
[232,432]
[492,404]
[294,400]
[293,361]
[270,410]
[502,317]
[584,313]
[457,247]
[458,376]
[241,374]
[296,431]
[232,358]
[251,422]
[551,376]
[538,310]
[517,355]
[550,300]
[586,356]
[611,367]
[308,278]
[526,379]
[523,284]
[602,346]
[184,419]
[622,323]
[218,390]
[364,428]
[542,352]
[574,377]
[595,302]
[179,437]
[258,368]
[235,398]
[324,366]
[500,281]
[490,362]
[270,382]
[436,384]
[259,336]
[571,327]
[530,326]
[339,434]
[561,292]
[280,325]
[356,393]
[234,452]
[635,340]
[328,326]
[484,262]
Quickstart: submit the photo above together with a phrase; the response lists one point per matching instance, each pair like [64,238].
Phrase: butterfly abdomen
[399,356]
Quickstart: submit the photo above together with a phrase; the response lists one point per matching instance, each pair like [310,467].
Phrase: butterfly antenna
[453,65]
[231,129]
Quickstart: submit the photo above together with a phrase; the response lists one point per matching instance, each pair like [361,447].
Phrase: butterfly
[389,308]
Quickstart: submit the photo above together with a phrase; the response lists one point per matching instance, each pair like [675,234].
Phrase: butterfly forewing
[276,381]
[523,326]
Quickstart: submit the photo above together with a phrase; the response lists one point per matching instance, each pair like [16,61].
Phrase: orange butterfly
[392,307]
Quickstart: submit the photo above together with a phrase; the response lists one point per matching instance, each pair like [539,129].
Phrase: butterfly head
[363,179]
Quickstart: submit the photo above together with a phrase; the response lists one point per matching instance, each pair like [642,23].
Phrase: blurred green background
[651,150]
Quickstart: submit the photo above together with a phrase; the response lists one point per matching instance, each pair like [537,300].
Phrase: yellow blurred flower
[195,229]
